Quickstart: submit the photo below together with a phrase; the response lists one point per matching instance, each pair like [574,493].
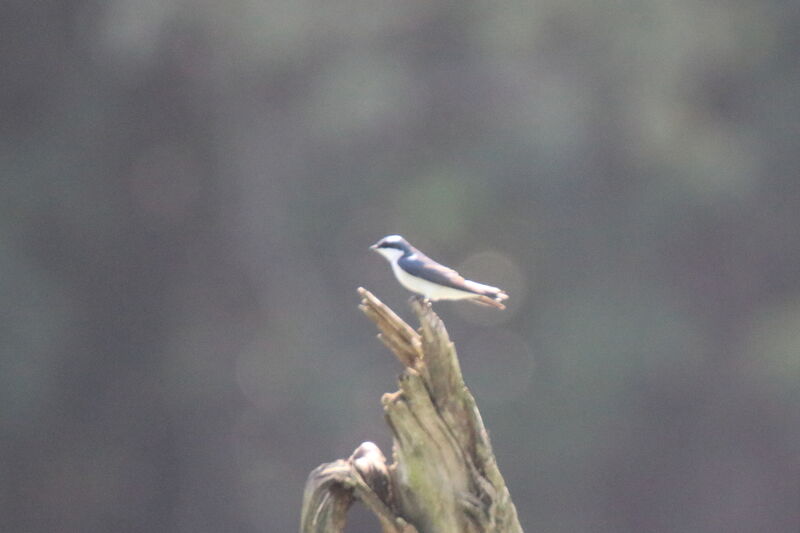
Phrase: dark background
[189,190]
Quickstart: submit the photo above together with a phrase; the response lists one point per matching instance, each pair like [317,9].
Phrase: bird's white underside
[429,290]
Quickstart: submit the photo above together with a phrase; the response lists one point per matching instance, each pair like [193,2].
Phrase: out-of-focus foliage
[189,190]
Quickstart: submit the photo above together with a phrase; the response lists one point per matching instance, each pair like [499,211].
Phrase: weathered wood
[444,477]
[331,489]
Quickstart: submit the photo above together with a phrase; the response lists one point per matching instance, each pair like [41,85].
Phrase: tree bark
[443,477]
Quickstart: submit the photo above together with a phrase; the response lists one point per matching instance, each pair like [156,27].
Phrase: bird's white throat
[391,254]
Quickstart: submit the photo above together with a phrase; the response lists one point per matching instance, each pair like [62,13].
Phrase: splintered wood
[443,477]
[398,336]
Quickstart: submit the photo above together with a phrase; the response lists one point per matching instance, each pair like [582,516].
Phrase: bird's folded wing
[432,271]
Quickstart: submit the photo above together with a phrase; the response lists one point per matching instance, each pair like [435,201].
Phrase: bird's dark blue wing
[426,268]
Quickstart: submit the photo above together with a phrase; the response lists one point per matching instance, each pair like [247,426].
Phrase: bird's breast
[430,290]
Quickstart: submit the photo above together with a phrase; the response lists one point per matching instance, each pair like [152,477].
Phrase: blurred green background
[190,188]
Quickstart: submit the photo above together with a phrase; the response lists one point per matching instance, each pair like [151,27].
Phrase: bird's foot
[420,300]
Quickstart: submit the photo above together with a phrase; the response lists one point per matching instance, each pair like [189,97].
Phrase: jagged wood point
[444,477]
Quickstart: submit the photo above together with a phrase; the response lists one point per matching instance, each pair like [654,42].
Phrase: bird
[422,275]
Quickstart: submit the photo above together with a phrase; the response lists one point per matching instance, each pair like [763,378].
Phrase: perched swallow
[419,273]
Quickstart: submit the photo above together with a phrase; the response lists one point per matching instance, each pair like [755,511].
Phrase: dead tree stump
[443,477]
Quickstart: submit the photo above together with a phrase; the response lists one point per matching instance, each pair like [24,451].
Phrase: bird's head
[391,247]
